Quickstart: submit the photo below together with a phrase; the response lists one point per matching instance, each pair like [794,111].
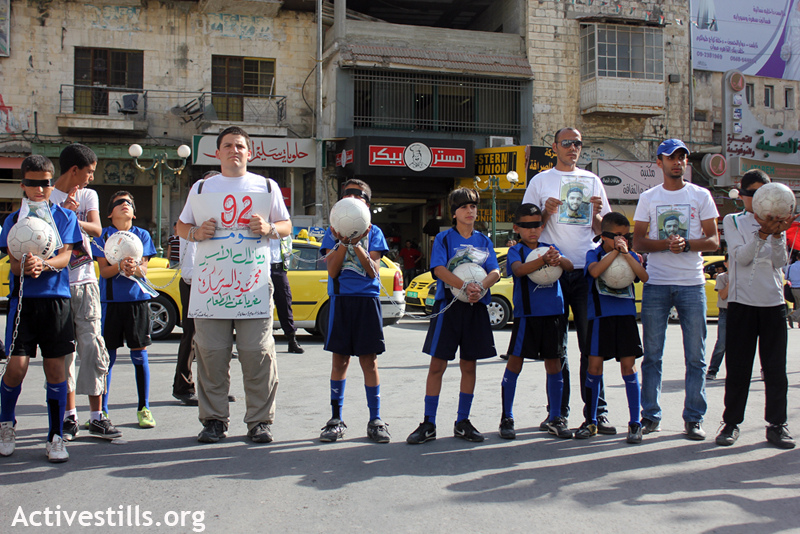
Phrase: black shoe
[779,436]
[694,431]
[463,429]
[649,426]
[378,431]
[70,429]
[558,427]
[213,431]
[294,346]
[634,433]
[102,428]
[187,399]
[604,426]
[507,428]
[543,425]
[504,356]
[711,375]
[333,430]
[586,431]
[260,433]
[425,432]
[728,435]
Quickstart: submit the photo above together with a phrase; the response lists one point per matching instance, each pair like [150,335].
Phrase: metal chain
[17,318]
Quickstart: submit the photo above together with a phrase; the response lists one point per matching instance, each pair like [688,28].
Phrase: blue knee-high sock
[112,357]
[464,406]
[593,383]
[142,368]
[634,394]
[555,387]
[56,406]
[431,406]
[374,401]
[8,401]
[337,398]
[508,387]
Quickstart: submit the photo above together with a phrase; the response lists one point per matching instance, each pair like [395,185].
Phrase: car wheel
[322,320]
[163,317]
[499,312]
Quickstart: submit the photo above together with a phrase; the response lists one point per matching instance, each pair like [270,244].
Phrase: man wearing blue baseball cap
[675,269]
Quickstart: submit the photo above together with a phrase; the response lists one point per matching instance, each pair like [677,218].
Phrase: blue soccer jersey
[119,288]
[49,284]
[451,248]
[353,279]
[530,298]
[603,300]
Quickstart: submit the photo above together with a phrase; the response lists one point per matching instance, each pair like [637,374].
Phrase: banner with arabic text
[264,152]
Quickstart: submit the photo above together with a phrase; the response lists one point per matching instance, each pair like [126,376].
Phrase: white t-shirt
[574,240]
[187,259]
[81,263]
[691,205]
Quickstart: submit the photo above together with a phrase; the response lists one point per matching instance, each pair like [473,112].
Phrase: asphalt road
[535,483]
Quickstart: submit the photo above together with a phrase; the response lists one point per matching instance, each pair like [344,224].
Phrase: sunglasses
[747,192]
[530,224]
[566,143]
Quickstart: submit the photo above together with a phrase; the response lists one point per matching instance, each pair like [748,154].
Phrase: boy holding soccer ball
[613,332]
[355,325]
[126,312]
[539,320]
[44,316]
[458,325]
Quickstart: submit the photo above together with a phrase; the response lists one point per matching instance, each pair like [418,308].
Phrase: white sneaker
[8,438]
[57,450]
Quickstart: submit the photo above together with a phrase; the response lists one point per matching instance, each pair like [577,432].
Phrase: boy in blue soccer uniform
[45,318]
[613,332]
[126,312]
[355,325]
[464,326]
[539,321]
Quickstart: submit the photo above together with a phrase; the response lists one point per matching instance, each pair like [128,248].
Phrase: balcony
[626,96]
[139,112]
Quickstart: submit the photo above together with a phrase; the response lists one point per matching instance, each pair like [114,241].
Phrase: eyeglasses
[747,192]
[566,143]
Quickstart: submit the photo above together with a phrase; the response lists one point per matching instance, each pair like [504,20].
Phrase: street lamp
[160,160]
[494,185]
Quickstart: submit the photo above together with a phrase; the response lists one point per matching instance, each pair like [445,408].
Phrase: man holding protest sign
[231,217]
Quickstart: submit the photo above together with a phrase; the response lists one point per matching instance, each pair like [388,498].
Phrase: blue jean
[719,346]
[690,301]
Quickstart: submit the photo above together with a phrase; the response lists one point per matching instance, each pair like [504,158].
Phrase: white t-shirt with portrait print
[81,263]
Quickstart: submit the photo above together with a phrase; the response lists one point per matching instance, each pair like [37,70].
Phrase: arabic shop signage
[629,179]
[393,156]
[264,152]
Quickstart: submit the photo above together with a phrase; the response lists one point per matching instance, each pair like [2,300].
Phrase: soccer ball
[31,235]
[468,272]
[773,199]
[350,217]
[547,274]
[121,245]
[619,274]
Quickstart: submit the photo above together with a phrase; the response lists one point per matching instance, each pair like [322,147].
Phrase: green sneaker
[145,418]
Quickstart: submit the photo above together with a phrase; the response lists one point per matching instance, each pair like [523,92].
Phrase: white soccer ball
[773,199]
[350,217]
[547,274]
[619,274]
[31,235]
[468,272]
[121,245]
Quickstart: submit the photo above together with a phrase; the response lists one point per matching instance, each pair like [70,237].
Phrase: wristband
[686,246]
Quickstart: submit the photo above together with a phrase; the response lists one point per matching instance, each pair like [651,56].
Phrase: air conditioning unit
[496,140]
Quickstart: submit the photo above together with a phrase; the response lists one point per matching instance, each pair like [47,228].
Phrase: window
[750,94]
[769,96]
[234,77]
[621,52]
[104,68]
[788,98]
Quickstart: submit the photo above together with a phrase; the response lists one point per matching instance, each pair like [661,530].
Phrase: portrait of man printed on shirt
[575,207]
[673,220]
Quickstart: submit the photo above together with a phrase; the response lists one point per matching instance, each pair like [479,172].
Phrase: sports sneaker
[378,431]
[56,450]
[8,438]
[634,433]
[728,435]
[649,426]
[711,375]
[507,428]
[779,436]
[333,430]
[694,431]
[425,432]
[260,433]
[70,428]
[605,427]
[102,428]
[187,399]
[88,423]
[543,425]
[586,431]
[145,418]
[463,429]
[213,431]
[558,427]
